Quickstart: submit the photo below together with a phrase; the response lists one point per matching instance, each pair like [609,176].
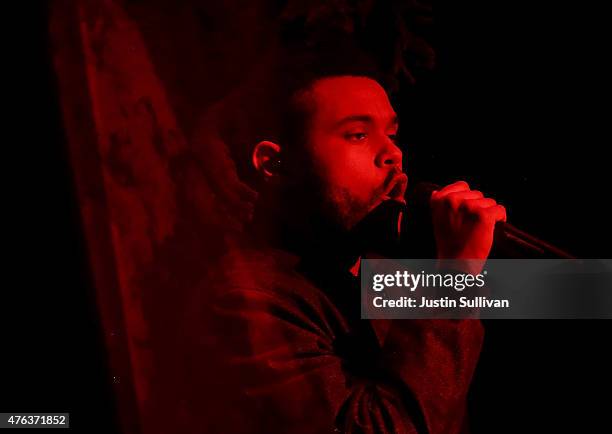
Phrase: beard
[305,211]
[357,226]
[309,199]
[330,206]
[344,209]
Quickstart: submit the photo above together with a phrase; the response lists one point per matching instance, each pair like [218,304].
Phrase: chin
[354,217]
[346,211]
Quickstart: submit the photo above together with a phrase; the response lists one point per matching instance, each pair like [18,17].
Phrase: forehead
[339,97]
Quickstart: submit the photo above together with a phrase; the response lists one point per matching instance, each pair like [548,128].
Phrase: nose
[389,156]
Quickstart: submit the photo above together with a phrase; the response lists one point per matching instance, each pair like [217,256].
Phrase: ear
[266,159]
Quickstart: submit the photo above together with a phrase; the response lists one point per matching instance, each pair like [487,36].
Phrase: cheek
[349,167]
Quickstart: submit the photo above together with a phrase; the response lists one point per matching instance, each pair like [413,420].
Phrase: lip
[396,190]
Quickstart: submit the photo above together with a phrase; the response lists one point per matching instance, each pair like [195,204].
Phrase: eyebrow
[364,118]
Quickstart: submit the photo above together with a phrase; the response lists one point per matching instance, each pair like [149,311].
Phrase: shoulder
[264,269]
[266,280]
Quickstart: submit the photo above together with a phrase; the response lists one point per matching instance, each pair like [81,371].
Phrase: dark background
[516,108]
[52,355]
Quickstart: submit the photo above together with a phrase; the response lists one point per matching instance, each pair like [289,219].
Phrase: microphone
[417,239]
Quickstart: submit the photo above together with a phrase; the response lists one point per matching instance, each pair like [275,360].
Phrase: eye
[357,137]
[393,138]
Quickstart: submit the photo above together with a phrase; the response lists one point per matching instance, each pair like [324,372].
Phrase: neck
[309,236]
[317,241]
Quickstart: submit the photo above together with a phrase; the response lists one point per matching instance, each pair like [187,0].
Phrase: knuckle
[483,215]
[453,201]
[490,202]
[466,205]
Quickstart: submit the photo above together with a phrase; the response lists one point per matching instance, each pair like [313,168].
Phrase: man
[290,353]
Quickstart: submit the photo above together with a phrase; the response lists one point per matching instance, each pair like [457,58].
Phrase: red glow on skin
[353,140]
[353,143]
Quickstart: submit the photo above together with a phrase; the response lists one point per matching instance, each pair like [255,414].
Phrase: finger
[460,196]
[457,186]
[495,213]
[501,214]
[458,199]
[479,203]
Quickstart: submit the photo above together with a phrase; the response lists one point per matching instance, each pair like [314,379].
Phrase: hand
[464,221]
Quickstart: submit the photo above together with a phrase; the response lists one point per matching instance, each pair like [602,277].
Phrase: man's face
[351,142]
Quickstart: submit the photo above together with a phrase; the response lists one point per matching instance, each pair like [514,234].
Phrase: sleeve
[283,364]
